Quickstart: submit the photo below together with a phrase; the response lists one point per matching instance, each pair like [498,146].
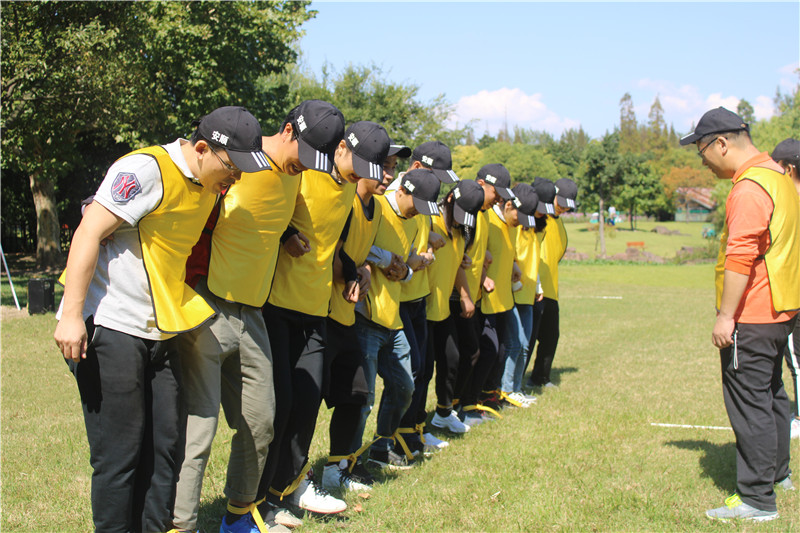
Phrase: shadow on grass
[555,374]
[718,461]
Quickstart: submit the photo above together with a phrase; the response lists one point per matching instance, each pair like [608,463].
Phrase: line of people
[265,274]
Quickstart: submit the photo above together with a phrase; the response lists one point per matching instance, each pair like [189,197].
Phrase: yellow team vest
[304,283]
[167,235]
[246,239]
[359,240]
[477,252]
[527,245]
[553,247]
[417,286]
[442,272]
[501,246]
[395,234]
[783,255]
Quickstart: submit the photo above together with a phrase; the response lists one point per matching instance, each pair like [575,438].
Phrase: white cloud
[492,109]
[763,107]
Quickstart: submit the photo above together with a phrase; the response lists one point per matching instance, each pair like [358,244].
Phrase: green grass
[635,349]
[586,240]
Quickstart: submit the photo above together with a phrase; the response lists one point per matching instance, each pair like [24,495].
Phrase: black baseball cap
[526,202]
[435,155]
[400,150]
[319,128]
[467,202]
[497,175]
[566,193]
[423,185]
[237,131]
[546,191]
[715,121]
[369,143]
[787,150]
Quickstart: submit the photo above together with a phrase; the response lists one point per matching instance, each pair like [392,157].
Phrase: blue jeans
[387,354]
[512,340]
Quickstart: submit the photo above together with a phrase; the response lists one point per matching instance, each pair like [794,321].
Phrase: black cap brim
[690,139]
[527,221]
[505,194]
[424,207]
[366,169]
[249,161]
[399,150]
[445,176]
[313,159]
[545,209]
[566,203]
[463,217]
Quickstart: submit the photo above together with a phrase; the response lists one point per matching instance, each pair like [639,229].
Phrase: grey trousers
[758,408]
[229,362]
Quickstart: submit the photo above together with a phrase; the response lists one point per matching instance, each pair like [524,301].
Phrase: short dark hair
[291,118]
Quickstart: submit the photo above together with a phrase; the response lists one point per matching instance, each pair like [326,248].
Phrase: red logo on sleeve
[125,187]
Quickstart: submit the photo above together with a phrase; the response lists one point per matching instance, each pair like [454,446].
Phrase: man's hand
[435,240]
[364,281]
[467,308]
[397,269]
[297,245]
[466,262]
[722,335]
[71,338]
[421,261]
[488,284]
[352,291]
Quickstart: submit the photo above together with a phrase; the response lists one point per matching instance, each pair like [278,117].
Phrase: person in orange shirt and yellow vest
[787,155]
[124,302]
[758,295]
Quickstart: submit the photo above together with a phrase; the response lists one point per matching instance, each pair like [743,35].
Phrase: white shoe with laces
[434,444]
[449,422]
[318,500]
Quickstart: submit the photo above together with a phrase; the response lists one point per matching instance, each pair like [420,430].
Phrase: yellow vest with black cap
[395,234]
[477,252]
[553,247]
[167,235]
[501,246]
[304,283]
[442,272]
[359,240]
[417,286]
[782,258]
[246,239]
[527,243]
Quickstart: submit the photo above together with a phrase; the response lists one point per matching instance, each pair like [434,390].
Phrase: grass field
[635,350]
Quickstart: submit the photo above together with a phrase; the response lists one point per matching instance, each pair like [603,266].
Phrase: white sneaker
[338,477]
[474,418]
[519,397]
[318,500]
[433,444]
[450,423]
[550,385]
[795,431]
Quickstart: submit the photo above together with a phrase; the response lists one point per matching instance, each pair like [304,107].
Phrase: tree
[786,122]
[600,176]
[628,128]
[640,187]
[657,135]
[746,111]
[129,72]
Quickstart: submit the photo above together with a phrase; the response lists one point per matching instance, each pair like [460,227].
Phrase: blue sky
[552,66]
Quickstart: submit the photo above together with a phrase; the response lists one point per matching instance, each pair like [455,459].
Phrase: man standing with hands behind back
[758,294]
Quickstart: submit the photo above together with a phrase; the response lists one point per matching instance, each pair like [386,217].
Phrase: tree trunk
[602,227]
[48,235]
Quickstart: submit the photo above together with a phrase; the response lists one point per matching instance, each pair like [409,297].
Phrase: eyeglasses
[228,166]
[700,152]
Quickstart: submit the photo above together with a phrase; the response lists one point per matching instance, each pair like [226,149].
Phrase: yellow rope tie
[353,457]
[440,406]
[253,510]
[398,437]
[456,401]
[509,399]
[420,428]
[482,408]
[293,487]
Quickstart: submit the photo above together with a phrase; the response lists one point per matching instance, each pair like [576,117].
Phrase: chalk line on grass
[600,297]
[686,426]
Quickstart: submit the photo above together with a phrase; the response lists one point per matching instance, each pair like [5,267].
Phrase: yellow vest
[477,252]
[527,244]
[501,246]
[246,239]
[417,287]
[359,240]
[553,247]
[168,235]
[304,283]
[783,255]
[395,234]
[442,272]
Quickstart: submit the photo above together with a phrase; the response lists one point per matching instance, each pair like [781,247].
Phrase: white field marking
[690,427]
[600,297]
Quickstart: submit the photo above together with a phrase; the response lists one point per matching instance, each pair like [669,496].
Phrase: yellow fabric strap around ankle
[398,437]
[509,399]
[353,457]
[253,510]
[456,401]
[293,487]
[482,408]
[733,501]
